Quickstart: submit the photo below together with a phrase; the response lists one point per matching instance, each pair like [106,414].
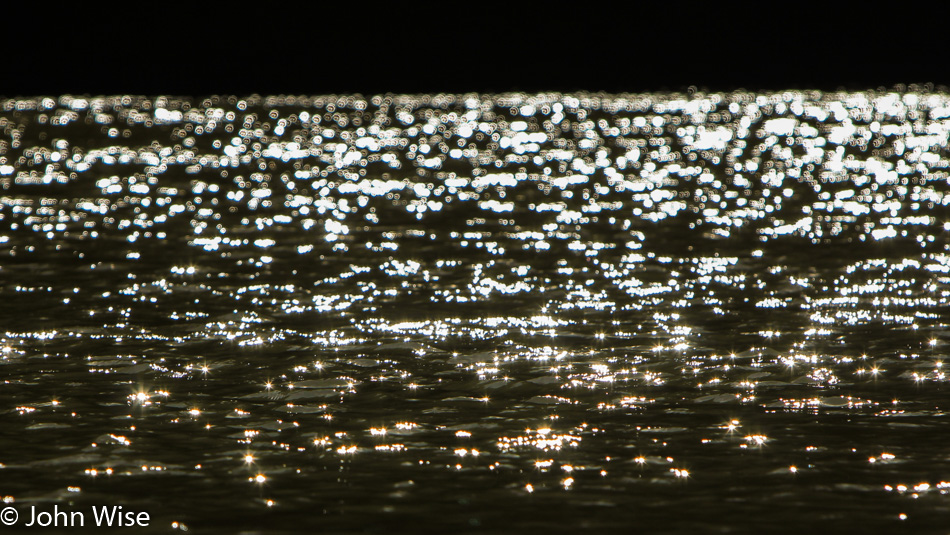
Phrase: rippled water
[658,312]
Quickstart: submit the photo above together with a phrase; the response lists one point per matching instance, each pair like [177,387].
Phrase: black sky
[352,48]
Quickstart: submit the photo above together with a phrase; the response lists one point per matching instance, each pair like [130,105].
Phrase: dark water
[469,313]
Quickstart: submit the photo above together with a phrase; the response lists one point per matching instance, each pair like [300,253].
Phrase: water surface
[478,313]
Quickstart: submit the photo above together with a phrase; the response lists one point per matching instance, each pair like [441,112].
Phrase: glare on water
[509,310]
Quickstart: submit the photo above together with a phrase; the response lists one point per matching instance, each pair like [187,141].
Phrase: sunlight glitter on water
[437,289]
